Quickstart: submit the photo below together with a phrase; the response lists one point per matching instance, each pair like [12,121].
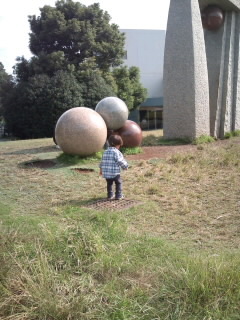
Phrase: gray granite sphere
[80,131]
[114,112]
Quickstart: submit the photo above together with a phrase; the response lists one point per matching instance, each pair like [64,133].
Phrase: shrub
[203,139]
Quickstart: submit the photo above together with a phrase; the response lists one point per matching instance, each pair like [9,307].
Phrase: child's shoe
[119,197]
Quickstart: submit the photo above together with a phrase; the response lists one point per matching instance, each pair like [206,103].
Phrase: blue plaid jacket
[112,162]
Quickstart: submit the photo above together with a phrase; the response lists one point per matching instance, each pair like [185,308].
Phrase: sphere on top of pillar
[114,112]
[212,17]
[131,134]
[80,131]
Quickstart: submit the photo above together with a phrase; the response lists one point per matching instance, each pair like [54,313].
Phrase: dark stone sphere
[131,134]
[212,17]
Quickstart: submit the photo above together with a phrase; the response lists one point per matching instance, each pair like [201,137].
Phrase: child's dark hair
[115,140]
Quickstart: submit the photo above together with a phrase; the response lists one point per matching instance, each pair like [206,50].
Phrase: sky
[127,14]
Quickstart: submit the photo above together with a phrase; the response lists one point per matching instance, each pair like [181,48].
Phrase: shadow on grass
[35,150]
[78,203]
[53,163]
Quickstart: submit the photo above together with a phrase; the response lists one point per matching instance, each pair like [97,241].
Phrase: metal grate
[112,204]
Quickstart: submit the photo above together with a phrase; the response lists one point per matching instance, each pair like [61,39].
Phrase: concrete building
[145,50]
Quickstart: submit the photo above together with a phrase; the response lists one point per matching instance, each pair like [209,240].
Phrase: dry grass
[175,257]
[189,198]
[192,198]
[156,133]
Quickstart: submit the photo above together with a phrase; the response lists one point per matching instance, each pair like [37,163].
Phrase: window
[151,119]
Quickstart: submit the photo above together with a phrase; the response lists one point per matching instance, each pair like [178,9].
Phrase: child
[111,164]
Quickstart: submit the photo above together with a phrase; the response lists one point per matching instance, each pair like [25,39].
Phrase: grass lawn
[174,256]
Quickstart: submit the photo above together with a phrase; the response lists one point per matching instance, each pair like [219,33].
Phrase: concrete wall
[145,49]
[223,58]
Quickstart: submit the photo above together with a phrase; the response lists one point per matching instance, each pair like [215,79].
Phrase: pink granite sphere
[131,134]
[80,131]
[114,112]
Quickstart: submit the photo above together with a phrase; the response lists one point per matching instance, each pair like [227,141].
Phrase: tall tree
[75,48]
[5,85]
[47,64]
[96,84]
[79,32]
[129,87]
[33,108]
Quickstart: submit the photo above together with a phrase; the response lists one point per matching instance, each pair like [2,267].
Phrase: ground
[160,152]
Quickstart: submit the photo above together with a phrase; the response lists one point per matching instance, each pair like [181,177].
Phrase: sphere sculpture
[131,134]
[80,131]
[212,17]
[114,112]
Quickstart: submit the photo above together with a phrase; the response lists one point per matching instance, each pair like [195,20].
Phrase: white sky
[127,14]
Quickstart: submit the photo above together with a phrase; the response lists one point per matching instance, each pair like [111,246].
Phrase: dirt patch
[43,164]
[166,151]
[160,152]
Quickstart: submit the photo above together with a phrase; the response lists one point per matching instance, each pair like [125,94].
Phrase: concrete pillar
[186,90]
[236,95]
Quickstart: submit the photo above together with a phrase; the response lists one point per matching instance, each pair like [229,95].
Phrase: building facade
[145,50]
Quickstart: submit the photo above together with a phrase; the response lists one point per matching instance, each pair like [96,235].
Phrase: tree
[96,85]
[129,87]
[33,108]
[47,64]
[75,48]
[79,32]
[5,85]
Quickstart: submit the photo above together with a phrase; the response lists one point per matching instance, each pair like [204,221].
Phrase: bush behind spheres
[35,106]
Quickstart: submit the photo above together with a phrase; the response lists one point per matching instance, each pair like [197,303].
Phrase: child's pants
[118,183]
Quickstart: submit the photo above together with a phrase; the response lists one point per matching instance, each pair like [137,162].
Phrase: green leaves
[35,106]
[79,32]
[129,87]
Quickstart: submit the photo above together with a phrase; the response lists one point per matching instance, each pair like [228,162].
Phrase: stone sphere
[114,112]
[212,17]
[131,134]
[80,131]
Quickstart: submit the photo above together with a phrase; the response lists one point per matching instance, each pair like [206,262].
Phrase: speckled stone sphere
[114,112]
[212,17]
[80,131]
[131,134]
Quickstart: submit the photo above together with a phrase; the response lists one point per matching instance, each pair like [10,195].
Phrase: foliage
[79,32]
[129,87]
[33,108]
[79,43]
[235,133]
[95,85]
[203,139]
[47,64]
[5,85]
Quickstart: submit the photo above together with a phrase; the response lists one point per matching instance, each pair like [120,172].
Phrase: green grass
[129,151]
[68,159]
[203,139]
[235,133]
[75,159]
[152,140]
[175,256]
